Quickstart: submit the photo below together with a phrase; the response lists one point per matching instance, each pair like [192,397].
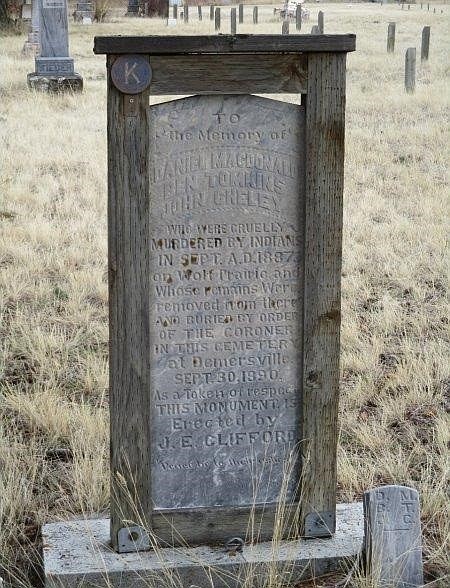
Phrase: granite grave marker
[31,45]
[54,68]
[132,8]
[84,12]
[224,314]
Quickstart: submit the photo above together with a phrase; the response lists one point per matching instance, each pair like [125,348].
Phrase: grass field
[53,279]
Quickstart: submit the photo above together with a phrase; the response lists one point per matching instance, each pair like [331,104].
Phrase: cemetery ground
[54,336]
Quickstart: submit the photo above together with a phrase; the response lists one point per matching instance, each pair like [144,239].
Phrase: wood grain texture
[217,525]
[211,74]
[128,210]
[201,44]
[325,115]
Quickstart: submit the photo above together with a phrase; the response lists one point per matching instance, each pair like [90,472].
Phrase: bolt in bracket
[131,539]
[234,545]
[320,524]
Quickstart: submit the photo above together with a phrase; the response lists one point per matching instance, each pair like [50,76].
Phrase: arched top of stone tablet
[222,147]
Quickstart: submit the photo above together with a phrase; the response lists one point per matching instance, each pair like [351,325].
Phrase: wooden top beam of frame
[204,44]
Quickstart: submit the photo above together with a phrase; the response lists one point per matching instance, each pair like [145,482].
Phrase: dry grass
[53,370]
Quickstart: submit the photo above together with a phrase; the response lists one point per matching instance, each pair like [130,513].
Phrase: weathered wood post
[285,27]
[391,37]
[425,47]
[298,17]
[428,7]
[175,11]
[409,6]
[320,22]
[403,4]
[211,12]
[200,15]
[315,30]
[255,15]
[186,13]
[217,19]
[156,350]
[410,70]
[241,13]
[233,21]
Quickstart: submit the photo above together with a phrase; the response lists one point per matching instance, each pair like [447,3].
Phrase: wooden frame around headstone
[313,66]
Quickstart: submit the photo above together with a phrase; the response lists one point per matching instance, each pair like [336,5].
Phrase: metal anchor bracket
[133,538]
[234,545]
[320,524]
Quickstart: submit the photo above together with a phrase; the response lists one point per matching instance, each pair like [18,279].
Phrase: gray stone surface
[26,10]
[393,537]
[77,554]
[84,12]
[226,299]
[54,28]
[49,66]
[32,44]
[133,8]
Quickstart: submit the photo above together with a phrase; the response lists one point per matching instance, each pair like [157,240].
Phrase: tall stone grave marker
[133,8]
[393,537]
[26,11]
[84,12]
[32,45]
[54,69]
[225,224]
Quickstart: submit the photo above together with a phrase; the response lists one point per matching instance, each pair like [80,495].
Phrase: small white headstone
[393,538]
[171,22]
[87,20]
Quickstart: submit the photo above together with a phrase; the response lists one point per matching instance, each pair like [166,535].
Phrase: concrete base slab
[77,554]
[55,84]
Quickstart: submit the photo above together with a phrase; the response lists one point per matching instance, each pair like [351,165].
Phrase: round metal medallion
[131,74]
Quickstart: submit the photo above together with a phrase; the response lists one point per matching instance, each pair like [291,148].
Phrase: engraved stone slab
[54,28]
[393,539]
[54,65]
[226,266]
